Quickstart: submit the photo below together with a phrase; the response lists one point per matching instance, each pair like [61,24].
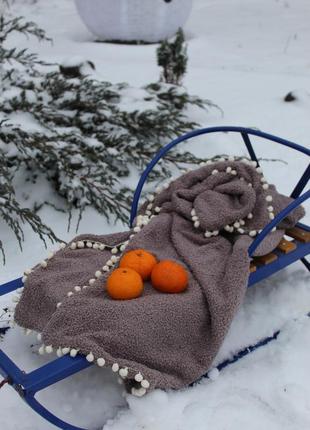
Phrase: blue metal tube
[11,286]
[9,369]
[54,371]
[301,183]
[47,415]
[249,146]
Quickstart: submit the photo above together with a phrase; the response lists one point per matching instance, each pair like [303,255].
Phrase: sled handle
[245,132]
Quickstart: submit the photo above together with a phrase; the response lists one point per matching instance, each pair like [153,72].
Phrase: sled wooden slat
[252,268]
[299,234]
[286,246]
[266,259]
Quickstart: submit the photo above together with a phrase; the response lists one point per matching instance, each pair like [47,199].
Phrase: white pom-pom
[196,224]
[274,229]
[43,264]
[138,392]
[70,294]
[250,216]
[24,279]
[138,377]
[58,304]
[234,172]
[114,258]
[228,169]
[252,233]
[265,186]
[89,244]
[215,233]
[90,357]
[65,350]
[213,374]
[80,244]
[77,288]
[227,228]
[150,197]
[263,179]
[114,250]
[98,274]
[193,212]
[27,271]
[208,234]
[270,208]
[49,349]
[105,268]
[123,372]
[214,172]
[92,281]
[59,352]
[122,247]
[28,332]
[157,209]
[249,185]
[62,246]
[101,247]
[96,246]
[240,230]
[242,222]
[42,350]
[73,353]
[109,263]
[85,287]
[271,215]
[268,198]
[236,224]
[115,367]
[195,218]
[137,229]
[145,383]
[73,245]
[101,362]
[149,206]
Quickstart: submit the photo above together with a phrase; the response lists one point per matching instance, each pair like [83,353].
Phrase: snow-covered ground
[244,56]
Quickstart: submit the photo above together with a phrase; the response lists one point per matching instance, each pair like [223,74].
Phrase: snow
[245,57]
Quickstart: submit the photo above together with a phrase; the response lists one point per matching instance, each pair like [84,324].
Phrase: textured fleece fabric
[171,339]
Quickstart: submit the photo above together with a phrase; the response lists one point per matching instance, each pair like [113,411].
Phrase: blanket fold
[204,220]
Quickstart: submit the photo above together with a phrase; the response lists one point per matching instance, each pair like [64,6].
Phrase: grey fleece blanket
[205,220]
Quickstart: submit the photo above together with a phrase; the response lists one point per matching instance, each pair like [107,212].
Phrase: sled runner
[294,246]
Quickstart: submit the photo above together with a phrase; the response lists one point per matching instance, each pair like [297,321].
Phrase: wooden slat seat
[299,234]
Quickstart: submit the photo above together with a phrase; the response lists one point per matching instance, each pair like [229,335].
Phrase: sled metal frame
[28,385]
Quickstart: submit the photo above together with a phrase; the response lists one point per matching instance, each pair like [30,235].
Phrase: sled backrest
[245,134]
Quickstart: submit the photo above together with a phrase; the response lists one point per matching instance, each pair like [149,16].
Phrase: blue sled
[28,384]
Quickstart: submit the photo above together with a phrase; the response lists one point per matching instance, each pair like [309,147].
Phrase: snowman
[134,20]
